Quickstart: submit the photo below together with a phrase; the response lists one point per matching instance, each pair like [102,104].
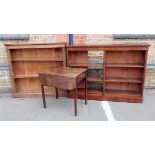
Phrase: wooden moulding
[34,45]
[112,47]
[109,97]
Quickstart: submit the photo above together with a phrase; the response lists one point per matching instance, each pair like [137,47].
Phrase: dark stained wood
[54,78]
[110,47]
[110,96]
[75,101]
[43,96]
[86,91]
[124,70]
[56,92]
[64,78]
[33,45]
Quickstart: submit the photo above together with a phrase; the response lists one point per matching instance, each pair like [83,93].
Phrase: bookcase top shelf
[34,45]
[110,45]
[114,47]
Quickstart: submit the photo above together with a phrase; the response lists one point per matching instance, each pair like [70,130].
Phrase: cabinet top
[110,45]
[65,72]
[34,45]
[114,47]
[63,44]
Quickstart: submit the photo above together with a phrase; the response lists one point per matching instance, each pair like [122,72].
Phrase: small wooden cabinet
[119,77]
[26,60]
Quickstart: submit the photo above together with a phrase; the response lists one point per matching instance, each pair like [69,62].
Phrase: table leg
[85,91]
[75,101]
[56,91]
[43,96]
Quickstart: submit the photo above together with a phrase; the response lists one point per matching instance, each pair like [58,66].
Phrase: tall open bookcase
[26,60]
[119,77]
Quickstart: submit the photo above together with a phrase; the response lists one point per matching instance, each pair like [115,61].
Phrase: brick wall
[5,85]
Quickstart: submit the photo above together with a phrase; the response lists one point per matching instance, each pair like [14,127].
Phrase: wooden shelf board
[109,97]
[38,59]
[129,65]
[125,80]
[93,79]
[122,92]
[86,65]
[25,76]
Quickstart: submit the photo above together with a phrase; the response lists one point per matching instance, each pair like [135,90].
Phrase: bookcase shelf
[96,80]
[125,65]
[122,93]
[38,59]
[25,76]
[94,65]
[126,80]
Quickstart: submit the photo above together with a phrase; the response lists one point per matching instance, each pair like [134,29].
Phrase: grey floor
[30,109]
[135,112]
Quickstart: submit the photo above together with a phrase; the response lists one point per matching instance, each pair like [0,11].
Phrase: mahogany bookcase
[122,72]
[26,60]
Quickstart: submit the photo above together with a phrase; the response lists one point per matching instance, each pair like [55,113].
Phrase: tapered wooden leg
[85,91]
[43,96]
[75,101]
[56,91]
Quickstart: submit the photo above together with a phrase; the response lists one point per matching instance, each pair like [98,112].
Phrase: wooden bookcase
[26,60]
[122,73]
[119,76]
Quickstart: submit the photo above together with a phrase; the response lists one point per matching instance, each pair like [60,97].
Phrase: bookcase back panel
[18,68]
[123,86]
[32,85]
[29,68]
[16,54]
[78,57]
[27,85]
[36,53]
[124,73]
[136,57]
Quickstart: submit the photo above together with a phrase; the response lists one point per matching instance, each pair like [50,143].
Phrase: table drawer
[81,76]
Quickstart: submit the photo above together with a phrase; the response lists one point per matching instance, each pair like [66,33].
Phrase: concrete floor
[30,109]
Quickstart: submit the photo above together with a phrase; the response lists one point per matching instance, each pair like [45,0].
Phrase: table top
[66,72]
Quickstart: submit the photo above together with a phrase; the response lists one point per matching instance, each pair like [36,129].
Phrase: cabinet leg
[43,96]
[75,101]
[56,91]
[85,91]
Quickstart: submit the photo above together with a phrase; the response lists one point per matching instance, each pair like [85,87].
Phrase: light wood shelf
[124,80]
[126,65]
[25,76]
[96,80]
[38,59]
[122,93]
